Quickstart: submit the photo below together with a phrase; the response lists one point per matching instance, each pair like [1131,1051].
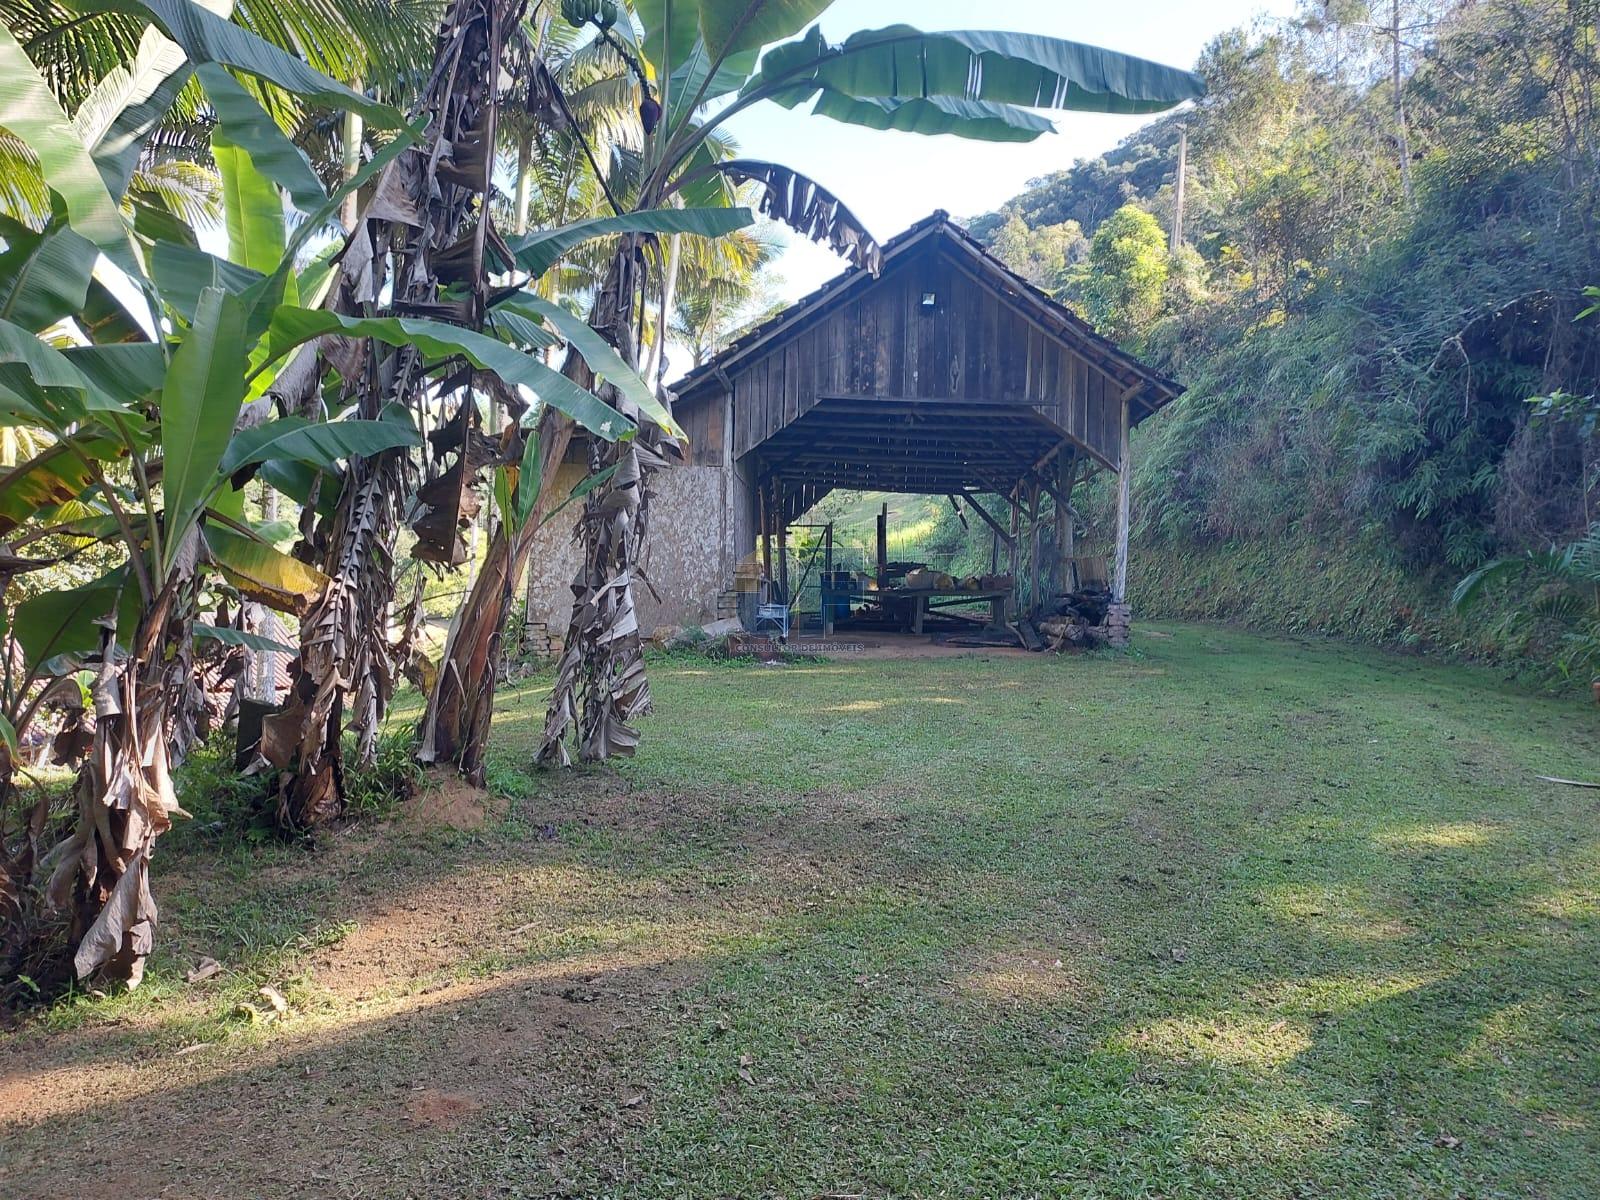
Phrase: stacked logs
[1086,618]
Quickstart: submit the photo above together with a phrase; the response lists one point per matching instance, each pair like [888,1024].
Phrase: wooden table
[917,602]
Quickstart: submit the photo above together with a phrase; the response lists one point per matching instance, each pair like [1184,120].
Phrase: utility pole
[1402,137]
[1177,191]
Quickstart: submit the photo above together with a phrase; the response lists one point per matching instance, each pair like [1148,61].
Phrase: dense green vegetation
[1008,925]
[1373,285]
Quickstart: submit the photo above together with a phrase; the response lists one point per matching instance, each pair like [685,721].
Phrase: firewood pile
[1085,618]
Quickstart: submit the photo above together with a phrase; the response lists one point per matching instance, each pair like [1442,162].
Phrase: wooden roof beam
[972,501]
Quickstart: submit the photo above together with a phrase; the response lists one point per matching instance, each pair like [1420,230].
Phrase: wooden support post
[783,550]
[764,501]
[1066,528]
[1119,585]
[883,547]
[828,584]
[1013,544]
[1035,574]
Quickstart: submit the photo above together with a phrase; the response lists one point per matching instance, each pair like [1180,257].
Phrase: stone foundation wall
[689,558]
[552,564]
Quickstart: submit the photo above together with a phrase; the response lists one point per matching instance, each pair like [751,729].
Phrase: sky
[889,180]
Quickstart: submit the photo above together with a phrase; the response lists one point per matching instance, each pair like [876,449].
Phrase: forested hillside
[1389,222]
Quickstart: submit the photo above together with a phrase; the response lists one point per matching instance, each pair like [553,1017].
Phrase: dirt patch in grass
[413,936]
[431,1108]
[319,1104]
[450,802]
[1034,975]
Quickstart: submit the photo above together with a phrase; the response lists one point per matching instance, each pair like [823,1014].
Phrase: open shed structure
[943,374]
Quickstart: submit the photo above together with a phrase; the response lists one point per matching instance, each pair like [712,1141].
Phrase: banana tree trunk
[344,654]
[432,226]
[99,876]
[455,727]
[601,683]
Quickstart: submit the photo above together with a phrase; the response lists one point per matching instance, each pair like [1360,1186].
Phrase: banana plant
[150,369]
[144,404]
[455,725]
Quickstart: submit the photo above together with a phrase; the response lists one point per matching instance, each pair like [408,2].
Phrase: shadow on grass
[1306,929]
[358,1104]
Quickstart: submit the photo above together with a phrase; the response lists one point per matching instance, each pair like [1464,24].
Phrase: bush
[392,778]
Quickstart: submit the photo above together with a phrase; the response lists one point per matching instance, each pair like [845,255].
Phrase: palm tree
[716,281]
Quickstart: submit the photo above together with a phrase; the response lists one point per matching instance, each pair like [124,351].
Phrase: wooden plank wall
[880,343]
[702,420]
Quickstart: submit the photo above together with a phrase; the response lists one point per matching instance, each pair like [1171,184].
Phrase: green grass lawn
[1224,917]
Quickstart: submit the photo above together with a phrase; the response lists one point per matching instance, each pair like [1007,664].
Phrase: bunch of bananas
[578,13]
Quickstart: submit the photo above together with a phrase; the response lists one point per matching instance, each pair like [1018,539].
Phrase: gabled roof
[1159,389]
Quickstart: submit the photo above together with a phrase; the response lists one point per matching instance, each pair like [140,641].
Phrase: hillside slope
[1367,296]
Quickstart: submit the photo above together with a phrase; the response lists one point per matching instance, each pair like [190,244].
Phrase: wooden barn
[944,374]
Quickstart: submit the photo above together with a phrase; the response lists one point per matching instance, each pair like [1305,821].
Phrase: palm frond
[23,195]
[190,192]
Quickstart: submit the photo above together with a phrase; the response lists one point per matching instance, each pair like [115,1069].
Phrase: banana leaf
[29,110]
[59,393]
[252,207]
[67,621]
[600,354]
[123,373]
[54,476]
[199,404]
[246,125]
[900,62]
[437,341]
[729,26]
[263,573]
[127,105]
[537,252]
[320,444]
[44,276]
[229,636]
[981,120]
[182,273]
